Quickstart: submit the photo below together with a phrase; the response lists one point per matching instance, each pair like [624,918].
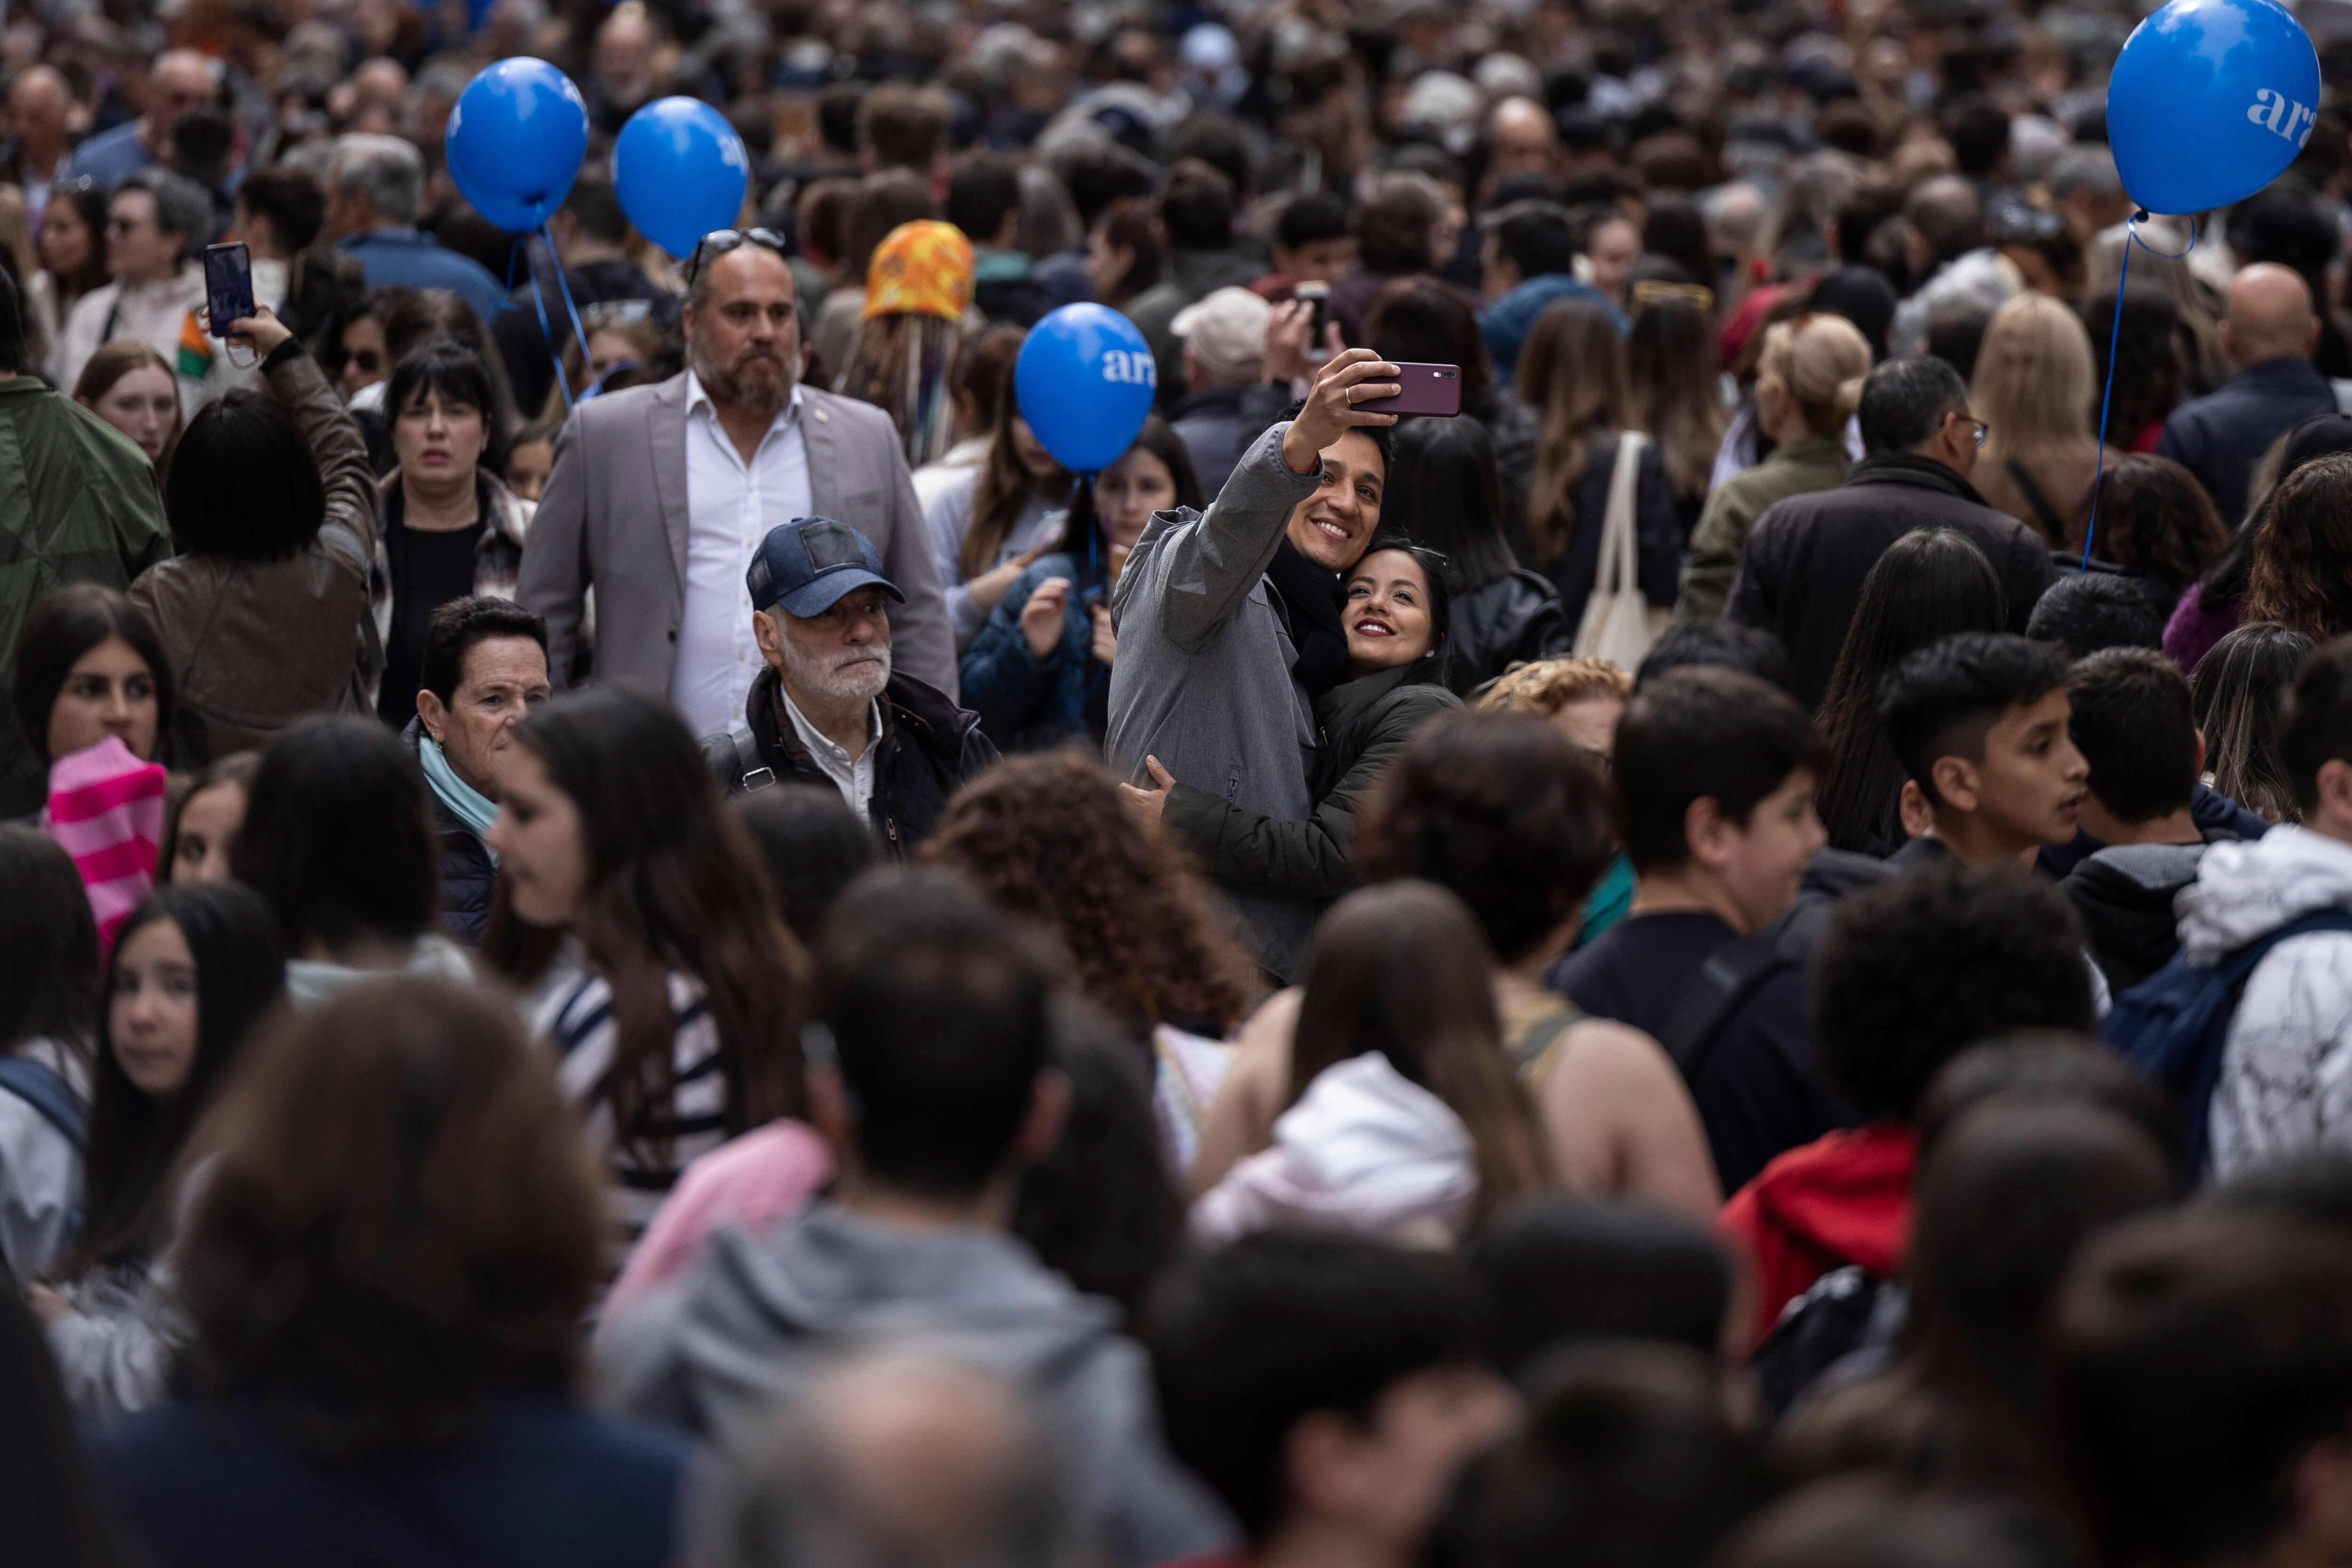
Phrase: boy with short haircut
[1716,772]
[1911,973]
[1327,1388]
[2129,715]
[2284,1079]
[2201,1379]
[1979,721]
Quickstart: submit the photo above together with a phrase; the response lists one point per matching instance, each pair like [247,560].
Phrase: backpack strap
[2051,522]
[1713,991]
[38,1085]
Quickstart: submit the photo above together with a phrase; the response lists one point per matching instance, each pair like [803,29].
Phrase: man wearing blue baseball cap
[828,709]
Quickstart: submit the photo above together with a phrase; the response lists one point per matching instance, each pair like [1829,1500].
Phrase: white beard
[856,675]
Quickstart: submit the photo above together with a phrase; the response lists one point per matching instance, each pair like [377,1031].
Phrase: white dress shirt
[856,780]
[730,505]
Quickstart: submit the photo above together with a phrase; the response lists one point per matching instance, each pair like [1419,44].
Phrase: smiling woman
[1397,616]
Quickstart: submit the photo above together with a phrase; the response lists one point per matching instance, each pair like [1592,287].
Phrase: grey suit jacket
[614,516]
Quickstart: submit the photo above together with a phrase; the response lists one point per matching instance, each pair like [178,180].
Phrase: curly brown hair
[1045,837]
[2299,577]
[400,1220]
[2156,519]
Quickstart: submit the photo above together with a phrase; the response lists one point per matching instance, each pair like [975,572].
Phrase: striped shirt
[579,1022]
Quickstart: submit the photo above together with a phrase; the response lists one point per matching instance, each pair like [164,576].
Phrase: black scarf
[1310,595]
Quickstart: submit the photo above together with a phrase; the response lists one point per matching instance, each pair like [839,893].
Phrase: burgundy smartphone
[1434,389]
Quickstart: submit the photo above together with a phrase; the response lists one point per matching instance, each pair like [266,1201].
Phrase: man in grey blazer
[660,494]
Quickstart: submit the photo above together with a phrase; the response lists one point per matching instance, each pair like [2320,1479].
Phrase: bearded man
[660,494]
[827,708]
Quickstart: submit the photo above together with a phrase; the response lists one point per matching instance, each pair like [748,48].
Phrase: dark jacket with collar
[2222,435]
[1800,572]
[1364,723]
[467,872]
[929,748]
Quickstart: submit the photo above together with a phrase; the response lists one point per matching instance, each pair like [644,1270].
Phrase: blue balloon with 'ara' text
[1085,381]
[680,171]
[2210,101]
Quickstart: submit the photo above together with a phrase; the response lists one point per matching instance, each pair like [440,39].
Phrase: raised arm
[335,442]
[1213,564]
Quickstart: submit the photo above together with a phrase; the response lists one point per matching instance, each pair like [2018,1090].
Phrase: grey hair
[390,170]
[1904,401]
[2088,167]
[182,207]
[794,1498]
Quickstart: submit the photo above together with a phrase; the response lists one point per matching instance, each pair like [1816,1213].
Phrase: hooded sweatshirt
[757,1321]
[1365,1149]
[2286,1084]
[1844,1198]
[2124,897]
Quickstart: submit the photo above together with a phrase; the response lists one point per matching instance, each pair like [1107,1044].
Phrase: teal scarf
[468,805]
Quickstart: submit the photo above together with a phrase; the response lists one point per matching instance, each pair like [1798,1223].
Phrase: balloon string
[564,286]
[522,248]
[2115,340]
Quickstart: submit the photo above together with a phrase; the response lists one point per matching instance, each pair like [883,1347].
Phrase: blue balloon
[1085,381]
[2210,101]
[520,129]
[515,217]
[680,171]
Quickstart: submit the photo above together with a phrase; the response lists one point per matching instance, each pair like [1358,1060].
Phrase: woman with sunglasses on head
[1398,614]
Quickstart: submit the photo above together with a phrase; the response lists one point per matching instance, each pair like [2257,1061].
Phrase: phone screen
[228,287]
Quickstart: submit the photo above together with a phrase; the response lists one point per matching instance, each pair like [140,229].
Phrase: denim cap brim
[827,589]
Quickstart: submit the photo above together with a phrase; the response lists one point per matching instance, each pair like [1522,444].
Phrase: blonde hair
[1547,685]
[2034,381]
[1820,360]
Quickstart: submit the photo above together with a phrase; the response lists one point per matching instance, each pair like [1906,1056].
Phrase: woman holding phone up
[272,504]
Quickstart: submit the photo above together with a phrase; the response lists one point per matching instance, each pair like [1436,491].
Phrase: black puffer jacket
[1511,620]
[929,748]
[1364,722]
[468,873]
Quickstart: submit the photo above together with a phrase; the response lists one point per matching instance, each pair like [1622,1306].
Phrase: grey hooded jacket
[1202,678]
[756,1322]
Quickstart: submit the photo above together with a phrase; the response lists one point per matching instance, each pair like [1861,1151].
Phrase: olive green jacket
[1800,468]
[77,504]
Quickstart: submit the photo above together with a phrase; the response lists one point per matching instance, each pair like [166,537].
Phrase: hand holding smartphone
[1428,389]
[228,287]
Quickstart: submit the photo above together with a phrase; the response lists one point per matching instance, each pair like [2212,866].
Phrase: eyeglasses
[1981,430]
[719,241]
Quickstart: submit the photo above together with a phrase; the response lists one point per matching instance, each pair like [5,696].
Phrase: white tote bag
[1618,624]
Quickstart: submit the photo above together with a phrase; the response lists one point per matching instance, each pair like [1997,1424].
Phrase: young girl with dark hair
[193,969]
[685,1029]
[1038,673]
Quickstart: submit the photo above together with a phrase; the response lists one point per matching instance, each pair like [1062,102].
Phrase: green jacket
[77,504]
[1800,468]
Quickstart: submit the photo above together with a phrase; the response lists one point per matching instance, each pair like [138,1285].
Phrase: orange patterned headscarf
[922,269]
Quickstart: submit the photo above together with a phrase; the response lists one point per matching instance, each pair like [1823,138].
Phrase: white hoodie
[1366,1149]
[2286,1070]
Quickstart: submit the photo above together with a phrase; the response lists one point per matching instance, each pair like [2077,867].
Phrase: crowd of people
[635,929]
